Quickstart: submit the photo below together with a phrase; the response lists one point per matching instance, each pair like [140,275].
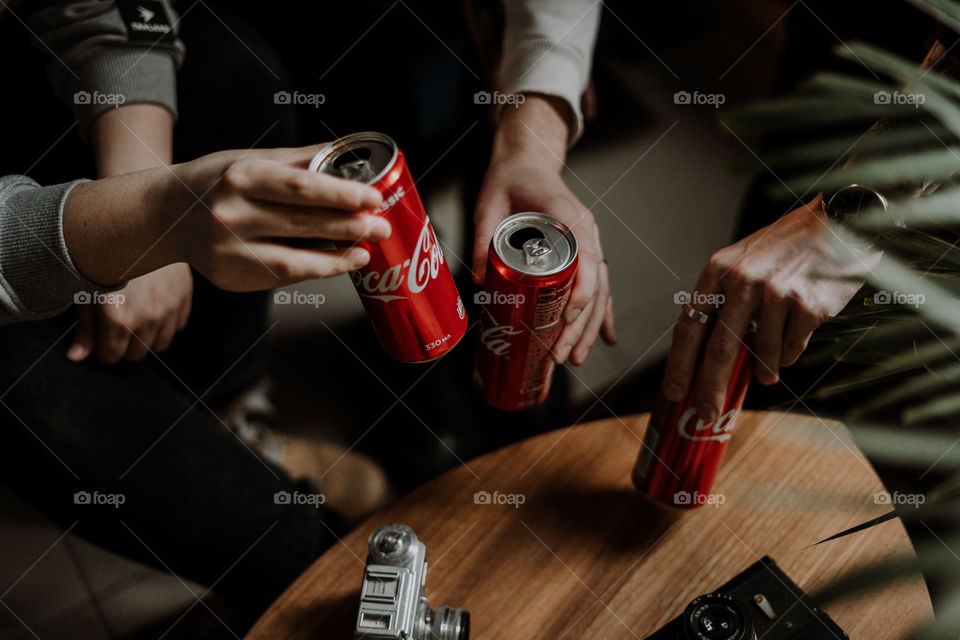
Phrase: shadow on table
[620,518]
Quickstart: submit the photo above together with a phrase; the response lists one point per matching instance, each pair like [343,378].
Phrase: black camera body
[761,602]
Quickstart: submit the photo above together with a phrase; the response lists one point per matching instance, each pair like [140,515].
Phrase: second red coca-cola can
[529,278]
[406,288]
[681,453]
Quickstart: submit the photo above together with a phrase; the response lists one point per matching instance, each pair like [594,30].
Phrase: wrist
[534,129]
[166,216]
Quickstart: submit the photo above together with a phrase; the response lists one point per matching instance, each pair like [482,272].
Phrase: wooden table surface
[585,556]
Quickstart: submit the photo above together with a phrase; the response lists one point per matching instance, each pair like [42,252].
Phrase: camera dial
[393,544]
[717,616]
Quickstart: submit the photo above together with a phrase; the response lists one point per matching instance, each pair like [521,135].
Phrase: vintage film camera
[393,602]
[761,602]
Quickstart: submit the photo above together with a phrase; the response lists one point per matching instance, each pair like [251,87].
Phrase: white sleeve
[548,48]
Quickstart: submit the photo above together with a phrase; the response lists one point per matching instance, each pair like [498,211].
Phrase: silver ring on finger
[696,315]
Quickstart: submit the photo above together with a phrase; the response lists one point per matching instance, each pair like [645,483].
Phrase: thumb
[491,210]
[84,336]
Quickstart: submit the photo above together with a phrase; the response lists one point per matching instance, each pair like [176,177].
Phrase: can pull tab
[536,251]
[358,170]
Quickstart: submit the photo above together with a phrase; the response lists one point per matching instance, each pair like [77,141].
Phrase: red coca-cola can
[681,453]
[530,270]
[406,288]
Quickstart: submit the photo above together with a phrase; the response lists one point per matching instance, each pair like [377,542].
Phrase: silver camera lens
[444,624]
[717,616]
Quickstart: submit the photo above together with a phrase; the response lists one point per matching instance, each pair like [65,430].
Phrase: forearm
[132,138]
[536,129]
[119,228]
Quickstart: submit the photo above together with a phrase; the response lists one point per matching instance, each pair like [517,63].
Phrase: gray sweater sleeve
[37,277]
[107,53]
[548,48]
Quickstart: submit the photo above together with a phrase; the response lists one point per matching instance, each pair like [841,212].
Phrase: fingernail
[382,228]
[362,257]
[561,353]
[673,392]
[372,198]
[709,413]
[572,315]
[75,352]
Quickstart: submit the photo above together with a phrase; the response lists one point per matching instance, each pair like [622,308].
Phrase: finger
[595,320]
[720,351]
[184,316]
[769,339]
[84,338]
[112,340]
[570,335]
[686,343]
[801,324]
[285,221]
[140,343]
[584,288]
[165,335]
[492,207]
[295,265]
[278,182]
[609,332]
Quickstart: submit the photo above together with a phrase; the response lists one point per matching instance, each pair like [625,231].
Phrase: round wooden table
[586,556]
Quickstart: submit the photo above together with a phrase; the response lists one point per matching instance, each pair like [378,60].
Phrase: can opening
[523,235]
[534,244]
[354,164]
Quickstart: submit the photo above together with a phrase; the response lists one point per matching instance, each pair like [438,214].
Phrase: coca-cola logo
[717,430]
[497,338]
[412,274]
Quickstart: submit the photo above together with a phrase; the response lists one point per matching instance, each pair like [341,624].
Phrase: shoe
[351,483]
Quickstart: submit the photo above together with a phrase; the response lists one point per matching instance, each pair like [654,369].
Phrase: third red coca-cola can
[681,453]
[530,272]
[406,287]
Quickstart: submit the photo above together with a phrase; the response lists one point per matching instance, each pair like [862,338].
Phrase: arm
[767,277]
[101,58]
[58,240]
[546,60]
[154,306]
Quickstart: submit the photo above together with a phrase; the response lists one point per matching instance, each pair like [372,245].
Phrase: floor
[664,198]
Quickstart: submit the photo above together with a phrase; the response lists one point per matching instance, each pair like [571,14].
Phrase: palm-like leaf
[908,357]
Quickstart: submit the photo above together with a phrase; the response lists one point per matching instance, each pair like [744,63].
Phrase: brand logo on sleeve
[146,20]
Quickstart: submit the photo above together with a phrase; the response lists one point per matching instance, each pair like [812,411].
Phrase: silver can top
[365,157]
[535,244]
